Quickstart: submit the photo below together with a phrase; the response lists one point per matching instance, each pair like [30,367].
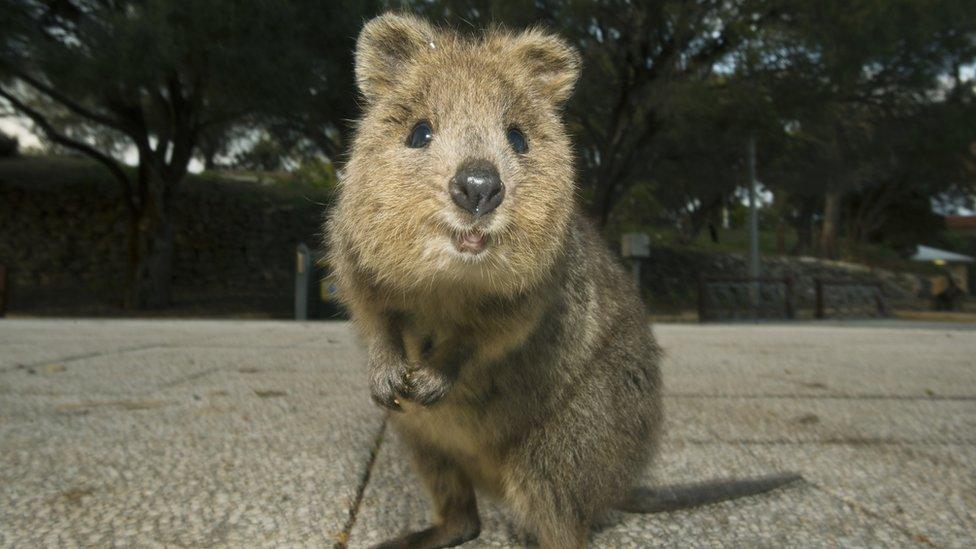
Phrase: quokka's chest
[472,441]
[475,339]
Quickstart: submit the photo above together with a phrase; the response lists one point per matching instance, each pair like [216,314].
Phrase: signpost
[635,246]
[3,290]
[315,291]
[303,280]
[753,224]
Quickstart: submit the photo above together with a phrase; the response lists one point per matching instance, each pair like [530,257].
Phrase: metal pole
[819,285]
[3,290]
[702,299]
[303,264]
[753,223]
[636,268]
[788,294]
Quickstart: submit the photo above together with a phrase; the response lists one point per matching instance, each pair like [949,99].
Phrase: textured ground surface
[153,433]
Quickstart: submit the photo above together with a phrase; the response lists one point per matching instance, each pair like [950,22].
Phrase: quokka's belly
[463,435]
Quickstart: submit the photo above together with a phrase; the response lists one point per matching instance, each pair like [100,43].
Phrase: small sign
[635,245]
[327,289]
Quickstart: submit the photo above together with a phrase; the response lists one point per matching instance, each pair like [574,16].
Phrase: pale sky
[16,128]
[21,129]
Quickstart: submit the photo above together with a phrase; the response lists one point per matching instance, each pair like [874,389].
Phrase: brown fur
[527,372]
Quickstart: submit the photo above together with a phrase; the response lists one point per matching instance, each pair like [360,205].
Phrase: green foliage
[317,172]
[165,77]
[864,98]
[875,110]
[736,240]
[637,210]
[265,155]
[851,96]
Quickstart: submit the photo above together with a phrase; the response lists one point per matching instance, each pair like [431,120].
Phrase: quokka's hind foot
[454,499]
[441,535]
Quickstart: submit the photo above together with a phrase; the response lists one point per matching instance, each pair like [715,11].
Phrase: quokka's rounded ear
[552,65]
[385,46]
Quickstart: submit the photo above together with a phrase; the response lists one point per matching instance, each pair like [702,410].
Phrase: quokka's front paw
[388,383]
[426,385]
[394,381]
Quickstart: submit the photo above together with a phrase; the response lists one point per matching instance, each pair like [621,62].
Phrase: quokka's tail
[684,496]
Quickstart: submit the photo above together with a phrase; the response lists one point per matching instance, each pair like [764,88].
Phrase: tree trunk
[156,272]
[602,203]
[780,235]
[831,223]
[151,246]
[210,161]
[803,225]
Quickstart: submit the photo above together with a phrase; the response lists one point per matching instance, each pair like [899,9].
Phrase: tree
[701,156]
[161,75]
[265,155]
[858,81]
[641,58]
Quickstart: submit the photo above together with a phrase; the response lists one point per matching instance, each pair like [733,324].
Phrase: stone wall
[64,243]
[62,237]
[669,277]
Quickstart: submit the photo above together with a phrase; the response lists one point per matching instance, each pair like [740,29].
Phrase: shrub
[317,172]
[8,145]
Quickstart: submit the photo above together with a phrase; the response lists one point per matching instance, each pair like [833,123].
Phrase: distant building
[957,269]
[964,225]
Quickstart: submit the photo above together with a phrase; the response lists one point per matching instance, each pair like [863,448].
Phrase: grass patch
[736,241]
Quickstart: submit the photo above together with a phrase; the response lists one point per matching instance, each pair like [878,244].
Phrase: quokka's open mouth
[471,242]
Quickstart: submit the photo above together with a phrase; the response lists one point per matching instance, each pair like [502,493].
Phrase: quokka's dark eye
[420,135]
[517,140]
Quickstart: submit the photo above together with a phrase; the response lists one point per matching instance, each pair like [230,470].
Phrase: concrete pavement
[224,433]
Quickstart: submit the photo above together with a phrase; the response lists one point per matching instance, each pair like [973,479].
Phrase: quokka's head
[461,170]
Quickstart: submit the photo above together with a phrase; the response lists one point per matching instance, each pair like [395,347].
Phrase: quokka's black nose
[477,188]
